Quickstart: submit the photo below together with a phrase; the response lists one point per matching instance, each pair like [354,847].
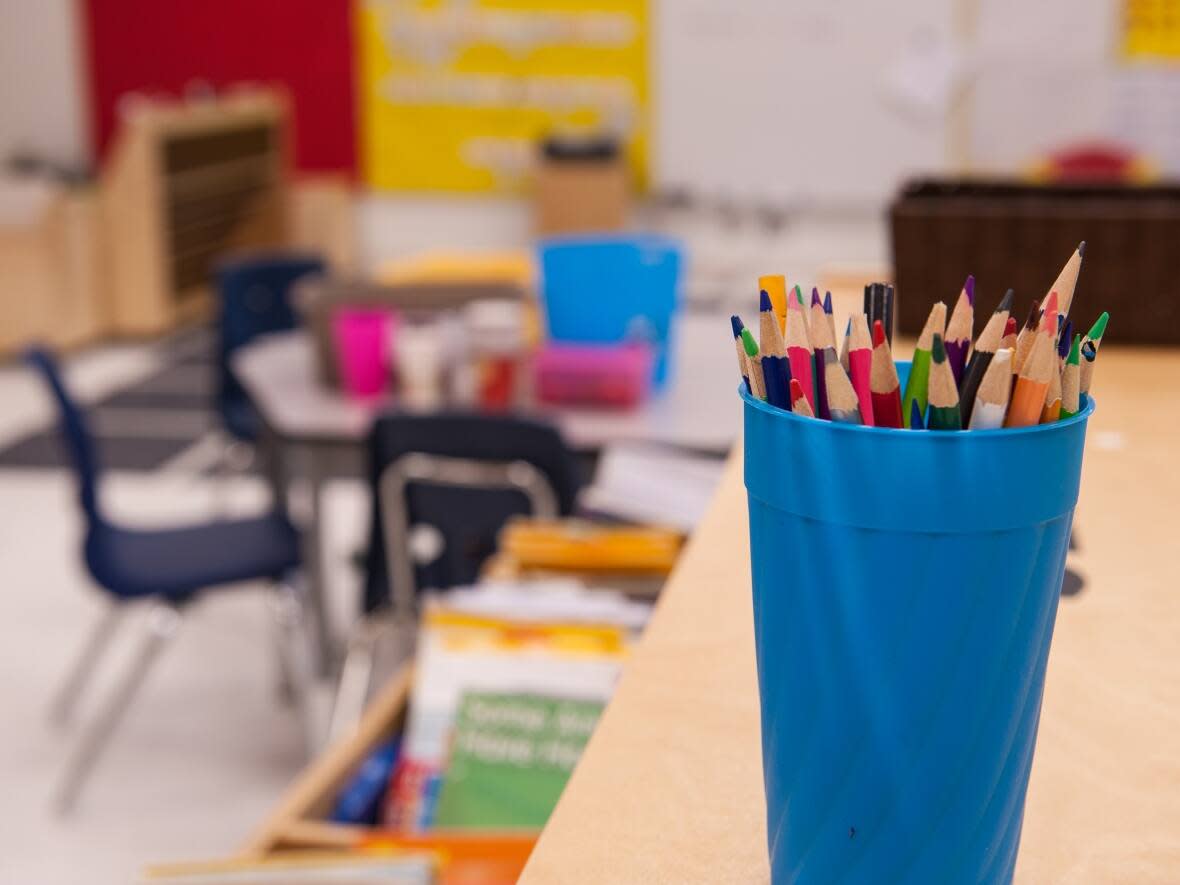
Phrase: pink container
[609,375]
[363,349]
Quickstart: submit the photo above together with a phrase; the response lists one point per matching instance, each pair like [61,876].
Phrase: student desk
[670,786]
[317,433]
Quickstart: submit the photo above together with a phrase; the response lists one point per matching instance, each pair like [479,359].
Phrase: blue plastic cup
[609,288]
[905,589]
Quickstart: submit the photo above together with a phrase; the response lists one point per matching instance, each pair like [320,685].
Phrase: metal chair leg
[295,671]
[62,708]
[163,623]
[356,675]
[381,634]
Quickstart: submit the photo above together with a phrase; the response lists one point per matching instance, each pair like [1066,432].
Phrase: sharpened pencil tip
[938,349]
[764,300]
[827,302]
[749,343]
[815,299]
[1034,314]
[1099,327]
[969,288]
[1082,249]
[878,333]
[737,325]
[1006,301]
[1066,333]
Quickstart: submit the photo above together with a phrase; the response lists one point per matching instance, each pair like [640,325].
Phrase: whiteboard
[791,100]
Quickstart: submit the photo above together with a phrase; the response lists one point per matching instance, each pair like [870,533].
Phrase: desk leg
[313,560]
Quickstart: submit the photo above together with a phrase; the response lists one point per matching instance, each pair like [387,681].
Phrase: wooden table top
[670,786]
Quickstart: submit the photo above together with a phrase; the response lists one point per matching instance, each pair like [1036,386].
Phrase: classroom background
[365,372]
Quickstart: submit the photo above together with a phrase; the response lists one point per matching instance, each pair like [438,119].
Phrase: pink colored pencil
[799,347]
[860,366]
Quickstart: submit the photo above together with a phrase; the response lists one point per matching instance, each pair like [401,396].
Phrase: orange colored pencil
[1028,399]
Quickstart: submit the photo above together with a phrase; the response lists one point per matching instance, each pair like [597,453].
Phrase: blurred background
[339,302]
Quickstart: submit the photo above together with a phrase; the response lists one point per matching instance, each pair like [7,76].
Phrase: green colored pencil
[944,411]
[919,380]
[1071,380]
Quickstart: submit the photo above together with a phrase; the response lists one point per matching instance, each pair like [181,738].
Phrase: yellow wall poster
[455,93]
[1151,29]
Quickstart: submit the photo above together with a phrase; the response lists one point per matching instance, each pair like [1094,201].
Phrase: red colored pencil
[885,386]
[860,365]
[799,346]
[799,404]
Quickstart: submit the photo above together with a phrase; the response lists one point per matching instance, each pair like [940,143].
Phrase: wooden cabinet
[185,184]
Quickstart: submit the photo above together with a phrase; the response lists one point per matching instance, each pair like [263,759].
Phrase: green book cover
[511,755]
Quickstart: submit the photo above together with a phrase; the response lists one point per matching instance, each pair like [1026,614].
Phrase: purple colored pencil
[960,330]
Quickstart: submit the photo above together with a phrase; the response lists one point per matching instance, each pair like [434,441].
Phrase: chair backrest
[75,433]
[606,288]
[255,298]
[458,478]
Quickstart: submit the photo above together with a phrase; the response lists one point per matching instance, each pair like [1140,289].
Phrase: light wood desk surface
[670,786]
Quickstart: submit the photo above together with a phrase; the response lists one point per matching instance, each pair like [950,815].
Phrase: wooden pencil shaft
[1028,399]
[994,392]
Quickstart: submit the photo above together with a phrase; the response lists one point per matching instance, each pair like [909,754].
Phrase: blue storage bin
[905,587]
[605,289]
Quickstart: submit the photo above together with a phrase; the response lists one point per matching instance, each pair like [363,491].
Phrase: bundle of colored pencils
[1003,378]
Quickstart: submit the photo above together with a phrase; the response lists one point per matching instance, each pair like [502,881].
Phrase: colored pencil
[1051,408]
[916,384]
[775,285]
[1024,341]
[821,340]
[960,329]
[1009,337]
[776,373]
[887,313]
[844,346]
[754,362]
[860,367]
[799,403]
[1067,280]
[995,389]
[799,350]
[981,356]
[1089,354]
[1094,336]
[916,422]
[1064,337]
[735,323]
[1071,380]
[883,381]
[831,316]
[843,405]
[1049,315]
[1028,398]
[944,412]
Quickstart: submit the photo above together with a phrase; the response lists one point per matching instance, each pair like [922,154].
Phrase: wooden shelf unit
[185,184]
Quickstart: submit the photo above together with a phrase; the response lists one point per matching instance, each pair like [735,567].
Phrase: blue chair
[168,567]
[605,288]
[254,292]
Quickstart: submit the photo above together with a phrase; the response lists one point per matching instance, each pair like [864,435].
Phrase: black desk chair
[443,487]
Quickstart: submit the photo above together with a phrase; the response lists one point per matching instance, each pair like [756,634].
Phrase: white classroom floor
[206,749]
